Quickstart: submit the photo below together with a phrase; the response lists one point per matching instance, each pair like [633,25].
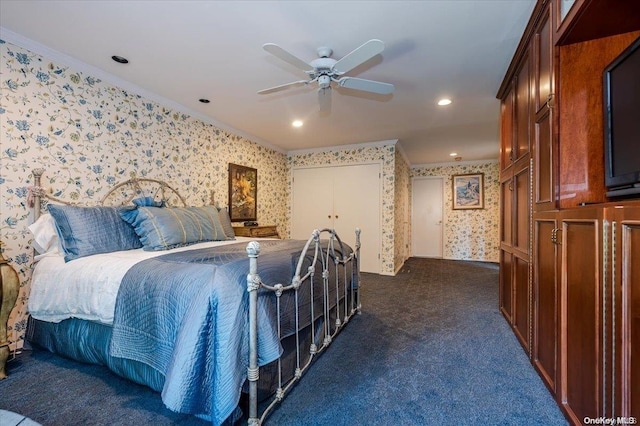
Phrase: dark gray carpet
[429,348]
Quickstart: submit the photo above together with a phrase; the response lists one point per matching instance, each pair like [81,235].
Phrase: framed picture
[243,193]
[468,191]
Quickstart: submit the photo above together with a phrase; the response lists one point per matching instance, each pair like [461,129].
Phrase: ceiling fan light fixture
[324,81]
[324,70]
[444,101]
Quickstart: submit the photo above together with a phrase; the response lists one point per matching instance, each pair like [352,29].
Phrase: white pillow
[45,236]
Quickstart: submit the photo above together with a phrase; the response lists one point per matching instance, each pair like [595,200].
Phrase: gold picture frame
[243,193]
[468,191]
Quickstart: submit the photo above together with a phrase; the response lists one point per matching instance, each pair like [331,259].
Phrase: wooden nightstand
[9,287]
[256,231]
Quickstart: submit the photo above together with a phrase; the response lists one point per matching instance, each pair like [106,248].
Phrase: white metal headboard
[121,194]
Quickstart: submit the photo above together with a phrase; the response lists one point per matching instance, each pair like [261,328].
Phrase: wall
[402,212]
[469,234]
[90,135]
[363,153]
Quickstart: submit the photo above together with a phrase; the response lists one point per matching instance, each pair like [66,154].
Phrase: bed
[165,295]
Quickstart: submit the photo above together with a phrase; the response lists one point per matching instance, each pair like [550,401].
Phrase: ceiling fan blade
[366,85]
[358,56]
[279,52]
[283,86]
[324,99]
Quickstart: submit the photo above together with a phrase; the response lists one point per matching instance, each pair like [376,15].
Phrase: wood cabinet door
[521,317]
[506,284]
[625,273]
[581,313]
[507,136]
[545,162]
[522,208]
[544,137]
[523,109]
[545,298]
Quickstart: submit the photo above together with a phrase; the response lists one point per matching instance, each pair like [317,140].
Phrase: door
[342,198]
[581,315]
[312,196]
[426,214]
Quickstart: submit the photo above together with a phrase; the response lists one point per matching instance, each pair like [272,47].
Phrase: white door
[357,205]
[342,198]
[312,201]
[426,217]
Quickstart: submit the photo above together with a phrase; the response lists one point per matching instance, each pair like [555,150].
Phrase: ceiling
[181,51]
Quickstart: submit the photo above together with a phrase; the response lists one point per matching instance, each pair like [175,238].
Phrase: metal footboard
[347,303]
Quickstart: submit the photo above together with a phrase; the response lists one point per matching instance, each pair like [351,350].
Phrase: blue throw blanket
[186,315]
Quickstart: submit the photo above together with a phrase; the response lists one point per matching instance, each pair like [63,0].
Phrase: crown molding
[453,163]
[342,147]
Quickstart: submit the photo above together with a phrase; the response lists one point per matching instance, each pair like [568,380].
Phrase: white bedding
[86,288]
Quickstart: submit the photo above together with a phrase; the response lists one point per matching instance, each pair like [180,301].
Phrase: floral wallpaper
[384,153]
[89,135]
[402,214]
[469,234]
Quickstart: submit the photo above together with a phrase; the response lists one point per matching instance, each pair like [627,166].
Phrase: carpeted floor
[429,348]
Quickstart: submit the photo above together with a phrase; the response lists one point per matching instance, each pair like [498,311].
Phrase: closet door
[312,201]
[342,198]
[357,205]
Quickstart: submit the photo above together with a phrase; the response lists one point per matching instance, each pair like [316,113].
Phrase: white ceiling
[181,51]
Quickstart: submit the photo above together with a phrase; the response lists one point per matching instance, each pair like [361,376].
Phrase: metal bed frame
[324,257]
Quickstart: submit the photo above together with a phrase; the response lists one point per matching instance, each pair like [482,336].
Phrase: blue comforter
[185,315]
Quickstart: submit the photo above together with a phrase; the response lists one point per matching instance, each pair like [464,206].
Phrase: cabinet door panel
[506,284]
[522,210]
[521,314]
[544,63]
[506,131]
[506,228]
[544,162]
[523,109]
[627,309]
[581,293]
[545,301]
[631,350]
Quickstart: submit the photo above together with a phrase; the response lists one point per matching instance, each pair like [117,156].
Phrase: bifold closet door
[342,198]
[312,201]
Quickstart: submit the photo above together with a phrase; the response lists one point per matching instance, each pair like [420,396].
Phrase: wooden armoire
[570,257]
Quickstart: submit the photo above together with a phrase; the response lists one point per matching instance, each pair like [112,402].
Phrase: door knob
[336,216]
[329,216]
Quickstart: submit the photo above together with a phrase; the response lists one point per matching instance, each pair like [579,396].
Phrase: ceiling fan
[325,70]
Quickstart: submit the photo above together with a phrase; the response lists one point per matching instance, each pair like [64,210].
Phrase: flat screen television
[622,123]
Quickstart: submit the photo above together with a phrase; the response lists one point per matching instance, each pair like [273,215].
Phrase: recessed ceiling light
[297,123]
[204,101]
[444,101]
[120,59]
[453,154]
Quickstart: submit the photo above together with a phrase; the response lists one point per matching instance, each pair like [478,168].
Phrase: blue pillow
[84,231]
[225,221]
[166,228]
[147,202]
